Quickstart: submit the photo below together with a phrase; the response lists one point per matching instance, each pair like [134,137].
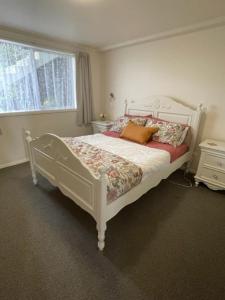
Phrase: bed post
[200,109]
[101,211]
[33,172]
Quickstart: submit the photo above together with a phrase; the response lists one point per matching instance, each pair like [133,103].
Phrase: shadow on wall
[210,113]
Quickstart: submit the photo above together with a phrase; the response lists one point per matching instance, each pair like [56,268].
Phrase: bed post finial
[200,107]
[28,136]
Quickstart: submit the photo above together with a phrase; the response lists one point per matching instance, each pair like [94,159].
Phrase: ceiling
[101,23]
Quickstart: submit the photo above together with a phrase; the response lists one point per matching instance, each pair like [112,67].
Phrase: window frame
[41,111]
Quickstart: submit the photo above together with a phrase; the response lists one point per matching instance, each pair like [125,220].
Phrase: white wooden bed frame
[51,157]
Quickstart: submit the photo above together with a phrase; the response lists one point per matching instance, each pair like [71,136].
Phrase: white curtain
[84,89]
[33,79]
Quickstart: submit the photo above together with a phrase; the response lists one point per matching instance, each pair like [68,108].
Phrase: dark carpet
[170,244]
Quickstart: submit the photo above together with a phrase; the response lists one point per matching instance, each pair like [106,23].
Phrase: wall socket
[1,131]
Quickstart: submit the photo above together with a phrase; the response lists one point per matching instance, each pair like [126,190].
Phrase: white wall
[190,68]
[12,146]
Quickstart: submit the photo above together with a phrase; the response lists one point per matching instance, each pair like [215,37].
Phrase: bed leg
[187,167]
[196,183]
[101,227]
[34,175]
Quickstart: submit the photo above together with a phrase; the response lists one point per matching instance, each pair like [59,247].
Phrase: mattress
[150,160]
[174,152]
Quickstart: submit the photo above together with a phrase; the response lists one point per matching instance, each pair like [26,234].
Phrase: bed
[53,158]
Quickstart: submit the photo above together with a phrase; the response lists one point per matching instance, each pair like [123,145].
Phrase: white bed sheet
[150,160]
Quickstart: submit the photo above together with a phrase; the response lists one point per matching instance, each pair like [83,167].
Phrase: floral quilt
[121,174]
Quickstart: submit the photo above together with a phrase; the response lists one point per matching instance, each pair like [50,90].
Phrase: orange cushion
[138,134]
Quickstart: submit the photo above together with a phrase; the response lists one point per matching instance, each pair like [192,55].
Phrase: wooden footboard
[52,158]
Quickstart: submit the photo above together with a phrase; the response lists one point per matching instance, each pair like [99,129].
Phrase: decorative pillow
[169,132]
[138,134]
[140,121]
[121,122]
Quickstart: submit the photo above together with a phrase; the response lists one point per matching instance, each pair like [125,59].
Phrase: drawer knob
[215,177]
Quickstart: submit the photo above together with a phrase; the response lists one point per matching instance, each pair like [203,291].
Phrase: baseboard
[13,163]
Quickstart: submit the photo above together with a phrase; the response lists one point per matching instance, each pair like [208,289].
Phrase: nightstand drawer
[211,168]
[99,128]
[213,175]
[214,161]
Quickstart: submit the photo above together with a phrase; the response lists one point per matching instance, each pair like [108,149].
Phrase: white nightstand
[100,126]
[211,168]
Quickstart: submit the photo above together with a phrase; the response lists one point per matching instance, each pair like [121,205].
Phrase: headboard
[168,109]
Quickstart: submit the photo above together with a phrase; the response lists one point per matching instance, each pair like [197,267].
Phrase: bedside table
[100,126]
[211,168]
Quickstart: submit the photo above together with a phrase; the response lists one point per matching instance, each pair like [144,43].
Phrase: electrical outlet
[1,131]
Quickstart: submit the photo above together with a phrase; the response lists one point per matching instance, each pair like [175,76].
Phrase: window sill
[36,112]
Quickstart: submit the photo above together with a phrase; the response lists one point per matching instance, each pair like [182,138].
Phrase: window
[34,79]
